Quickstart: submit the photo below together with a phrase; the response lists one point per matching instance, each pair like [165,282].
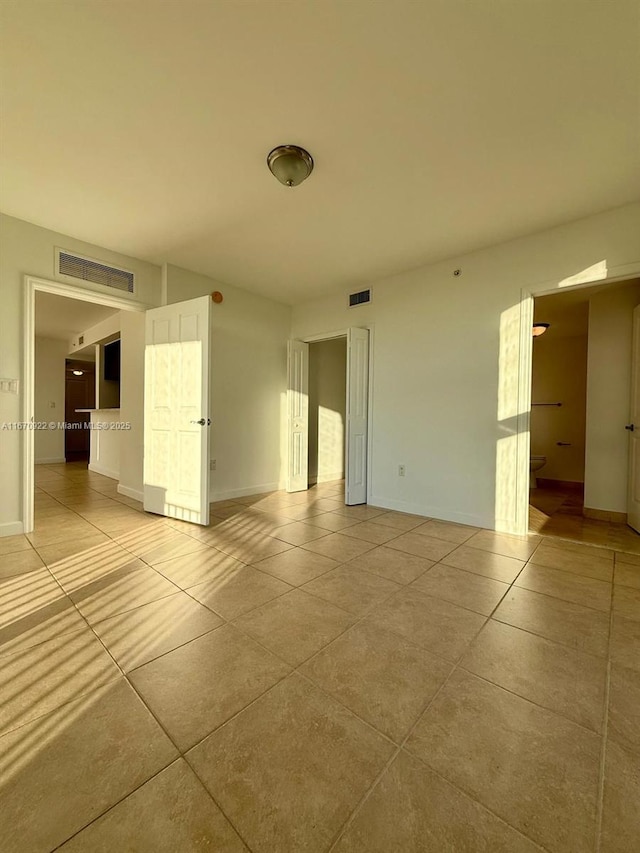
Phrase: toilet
[535,464]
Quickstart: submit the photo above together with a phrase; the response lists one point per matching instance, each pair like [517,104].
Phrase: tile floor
[305,676]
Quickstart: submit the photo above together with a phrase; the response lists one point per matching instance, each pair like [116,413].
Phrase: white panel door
[298,416]
[633,502]
[176,410]
[357,416]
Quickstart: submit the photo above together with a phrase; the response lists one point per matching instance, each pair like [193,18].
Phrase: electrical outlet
[212,465]
[401,470]
[52,404]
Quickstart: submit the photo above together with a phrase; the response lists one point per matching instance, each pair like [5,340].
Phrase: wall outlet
[52,404]
[401,470]
[212,464]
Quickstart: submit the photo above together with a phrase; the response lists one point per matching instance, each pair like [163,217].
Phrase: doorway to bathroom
[580,393]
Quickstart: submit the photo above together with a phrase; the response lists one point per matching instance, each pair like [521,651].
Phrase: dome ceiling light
[540,329]
[290,164]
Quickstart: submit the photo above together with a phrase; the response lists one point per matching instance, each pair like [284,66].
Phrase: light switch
[9,386]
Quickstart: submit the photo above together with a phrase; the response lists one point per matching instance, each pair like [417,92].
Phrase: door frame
[519,398]
[343,333]
[33,285]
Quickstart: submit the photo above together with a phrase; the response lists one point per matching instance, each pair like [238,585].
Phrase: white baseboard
[54,460]
[11,528]
[130,493]
[230,494]
[106,472]
[433,512]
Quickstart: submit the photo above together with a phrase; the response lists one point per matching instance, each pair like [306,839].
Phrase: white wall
[50,355]
[446,358]
[559,375]
[27,249]
[608,390]
[132,402]
[327,409]
[248,384]
[106,442]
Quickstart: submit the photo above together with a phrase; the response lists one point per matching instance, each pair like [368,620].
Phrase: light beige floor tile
[80,570]
[352,590]
[155,545]
[145,633]
[573,625]
[297,566]
[400,520]
[253,549]
[591,564]
[450,532]
[519,547]
[53,615]
[624,645]
[23,595]
[624,707]
[53,530]
[296,625]
[359,513]
[120,591]
[436,625]
[19,562]
[413,810]
[627,574]
[496,566]
[628,559]
[559,584]
[198,686]
[52,554]
[394,565]
[36,680]
[626,602]
[534,769]
[469,590]
[297,533]
[64,769]
[381,677]
[300,512]
[371,531]
[332,521]
[289,769]
[420,545]
[191,569]
[620,815]
[564,680]
[238,590]
[12,544]
[339,547]
[171,813]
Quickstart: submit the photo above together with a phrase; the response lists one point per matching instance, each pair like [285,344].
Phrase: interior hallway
[302,675]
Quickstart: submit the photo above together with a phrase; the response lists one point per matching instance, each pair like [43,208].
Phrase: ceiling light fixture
[290,164]
[540,329]
[77,372]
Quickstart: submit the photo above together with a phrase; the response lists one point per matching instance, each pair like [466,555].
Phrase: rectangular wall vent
[96,272]
[359,298]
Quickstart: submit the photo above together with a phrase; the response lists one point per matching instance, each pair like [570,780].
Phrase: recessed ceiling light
[78,372]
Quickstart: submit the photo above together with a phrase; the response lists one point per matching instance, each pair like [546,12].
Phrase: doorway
[581,383]
[319,445]
[79,393]
[327,410]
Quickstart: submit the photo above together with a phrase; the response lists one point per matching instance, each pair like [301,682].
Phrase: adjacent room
[319,426]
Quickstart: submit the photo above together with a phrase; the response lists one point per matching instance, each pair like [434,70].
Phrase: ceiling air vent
[86,269]
[359,298]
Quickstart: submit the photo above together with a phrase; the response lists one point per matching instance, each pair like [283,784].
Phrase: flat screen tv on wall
[112,360]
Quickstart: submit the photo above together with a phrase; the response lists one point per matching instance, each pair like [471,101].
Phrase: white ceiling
[436,127]
[62,318]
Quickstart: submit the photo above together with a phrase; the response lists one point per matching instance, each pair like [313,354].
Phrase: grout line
[605,738]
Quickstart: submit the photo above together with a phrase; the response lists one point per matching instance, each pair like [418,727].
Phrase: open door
[298,416]
[176,410]
[633,501]
[357,416]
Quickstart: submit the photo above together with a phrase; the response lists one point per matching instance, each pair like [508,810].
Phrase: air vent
[96,272]
[359,298]
[80,340]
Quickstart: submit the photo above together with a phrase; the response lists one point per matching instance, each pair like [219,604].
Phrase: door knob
[202,422]
[630,427]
